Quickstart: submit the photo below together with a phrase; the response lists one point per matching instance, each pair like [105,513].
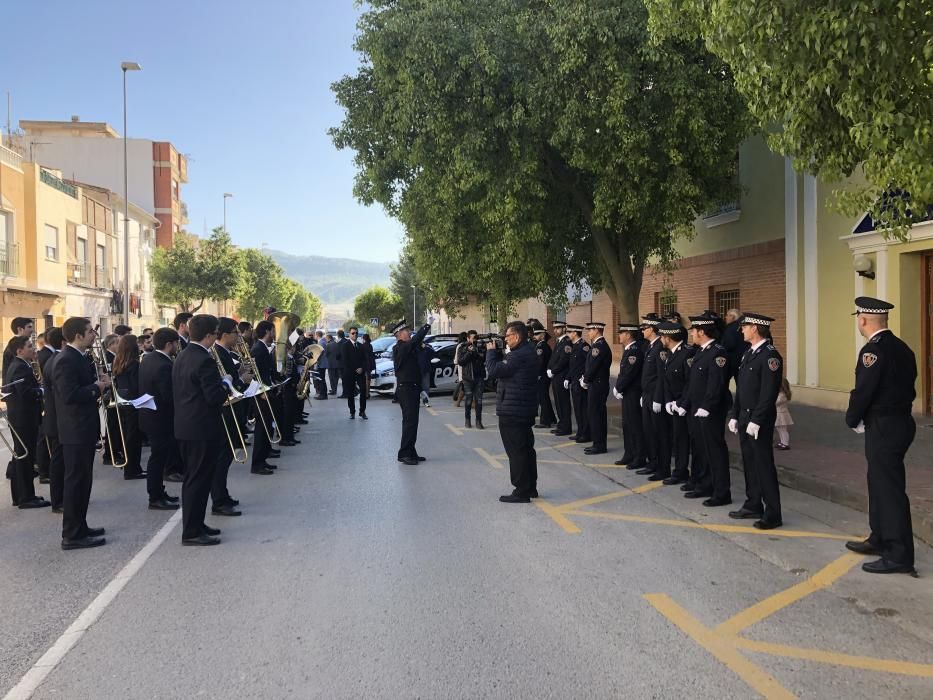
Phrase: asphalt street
[350,576]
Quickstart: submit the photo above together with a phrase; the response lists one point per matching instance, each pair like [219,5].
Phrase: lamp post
[126,66]
[414,313]
[226,196]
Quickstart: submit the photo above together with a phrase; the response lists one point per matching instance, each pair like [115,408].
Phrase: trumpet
[16,437]
[239,453]
[103,367]
[274,435]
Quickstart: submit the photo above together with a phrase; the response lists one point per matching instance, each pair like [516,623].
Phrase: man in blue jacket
[517,407]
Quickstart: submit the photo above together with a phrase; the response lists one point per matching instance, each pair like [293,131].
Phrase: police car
[444,377]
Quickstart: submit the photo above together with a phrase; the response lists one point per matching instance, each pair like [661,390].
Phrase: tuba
[285,322]
[311,355]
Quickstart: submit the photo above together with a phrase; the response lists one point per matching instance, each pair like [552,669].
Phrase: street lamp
[414,291]
[226,195]
[126,66]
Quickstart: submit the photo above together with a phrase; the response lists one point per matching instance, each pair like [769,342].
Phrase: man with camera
[469,359]
[517,407]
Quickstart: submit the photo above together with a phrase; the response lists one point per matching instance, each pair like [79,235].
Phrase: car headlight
[388,373]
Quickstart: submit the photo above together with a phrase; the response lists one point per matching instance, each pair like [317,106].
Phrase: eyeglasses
[510,333]
[352,332]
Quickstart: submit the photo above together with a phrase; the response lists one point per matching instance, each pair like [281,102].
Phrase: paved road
[353,576]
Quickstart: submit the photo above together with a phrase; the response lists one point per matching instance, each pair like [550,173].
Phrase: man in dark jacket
[578,395]
[354,373]
[24,409]
[155,379]
[469,357]
[332,360]
[733,341]
[628,391]
[408,387]
[558,371]
[516,407]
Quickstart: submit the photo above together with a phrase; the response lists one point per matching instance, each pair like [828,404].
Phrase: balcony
[183,211]
[9,260]
[57,183]
[80,274]
[11,158]
[101,279]
[722,213]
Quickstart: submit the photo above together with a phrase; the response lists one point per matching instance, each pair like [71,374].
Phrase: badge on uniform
[595,352]
[721,361]
[773,364]
[869,358]
[664,356]
[540,351]
[568,349]
[632,359]
[689,362]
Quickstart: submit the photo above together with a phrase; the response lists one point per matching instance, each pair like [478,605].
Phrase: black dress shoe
[44,480]
[644,470]
[883,566]
[744,514]
[162,504]
[302,422]
[688,486]
[410,461]
[533,493]
[211,531]
[658,477]
[83,543]
[200,541]
[95,532]
[595,451]
[697,494]
[170,499]
[275,454]
[225,509]
[131,477]
[352,416]
[542,425]
[174,477]
[364,416]
[233,501]
[767,524]
[716,502]
[58,510]
[620,462]
[635,466]
[36,502]
[672,481]
[420,458]
[514,498]
[290,443]
[265,471]
[865,547]
[583,439]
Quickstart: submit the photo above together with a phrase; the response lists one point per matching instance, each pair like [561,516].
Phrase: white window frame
[46,230]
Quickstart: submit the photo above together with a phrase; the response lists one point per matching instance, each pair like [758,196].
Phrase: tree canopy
[378,302]
[187,275]
[528,146]
[842,85]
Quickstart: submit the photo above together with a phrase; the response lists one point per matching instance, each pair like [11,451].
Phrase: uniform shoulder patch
[568,349]
[632,359]
[594,352]
[876,339]
[770,347]
[774,364]
[869,358]
[721,361]
[540,351]
[663,355]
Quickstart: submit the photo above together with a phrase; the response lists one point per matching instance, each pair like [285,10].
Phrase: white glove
[680,411]
[752,429]
[566,383]
[733,426]
[655,406]
[701,413]
[860,428]
[228,382]
[550,374]
[641,402]
[615,392]
[669,407]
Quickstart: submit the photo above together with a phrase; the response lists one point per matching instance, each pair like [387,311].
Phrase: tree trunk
[195,309]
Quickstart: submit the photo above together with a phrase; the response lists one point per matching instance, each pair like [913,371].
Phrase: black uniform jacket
[598,362]
[231,365]
[49,424]
[127,382]
[76,396]
[543,350]
[652,369]
[199,395]
[560,358]
[405,358]
[578,360]
[884,380]
[674,376]
[155,379]
[352,357]
[708,387]
[24,404]
[630,368]
[43,356]
[757,385]
[264,362]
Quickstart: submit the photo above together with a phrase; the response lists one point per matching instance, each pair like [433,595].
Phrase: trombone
[239,453]
[16,437]
[275,435]
[103,367]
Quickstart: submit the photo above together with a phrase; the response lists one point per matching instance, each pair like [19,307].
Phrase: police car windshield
[384,343]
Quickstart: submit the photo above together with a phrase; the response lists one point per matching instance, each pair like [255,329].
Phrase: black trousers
[113,431]
[649,431]
[518,439]
[261,444]
[681,438]
[596,408]
[76,493]
[712,430]
[219,493]
[22,485]
[632,433]
[408,396]
[133,440]
[699,469]
[56,473]
[664,429]
[162,452]
[546,415]
[43,458]
[562,403]
[761,482]
[581,410]
[354,384]
[200,457]
[887,439]
[473,391]
[334,374]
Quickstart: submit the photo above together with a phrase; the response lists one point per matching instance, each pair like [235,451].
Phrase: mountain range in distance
[335,281]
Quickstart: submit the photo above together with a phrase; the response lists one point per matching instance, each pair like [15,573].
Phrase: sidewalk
[827,460]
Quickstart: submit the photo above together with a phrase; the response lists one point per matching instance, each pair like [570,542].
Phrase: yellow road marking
[488,457]
[721,647]
[606,466]
[711,526]
[566,507]
[867,663]
[557,516]
[823,578]
[556,461]
[563,444]
[455,431]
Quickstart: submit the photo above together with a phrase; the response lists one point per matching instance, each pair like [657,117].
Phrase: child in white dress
[784,420]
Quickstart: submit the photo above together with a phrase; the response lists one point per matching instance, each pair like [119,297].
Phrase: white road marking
[71,636]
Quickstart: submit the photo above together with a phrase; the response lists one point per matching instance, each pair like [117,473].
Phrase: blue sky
[242,87]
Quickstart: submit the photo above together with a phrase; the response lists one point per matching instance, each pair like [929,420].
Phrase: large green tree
[526,144]
[193,271]
[378,302]
[263,284]
[840,84]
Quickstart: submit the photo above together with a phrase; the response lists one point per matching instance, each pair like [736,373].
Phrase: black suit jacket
[352,357]
[76,396]
[264,362]
[24,404]
[43,356]
[49,425]
[199,395]
[155,379]
[128,382]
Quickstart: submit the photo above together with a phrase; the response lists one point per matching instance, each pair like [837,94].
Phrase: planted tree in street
[528,146]
[378,302]
[188,274]
[842,87]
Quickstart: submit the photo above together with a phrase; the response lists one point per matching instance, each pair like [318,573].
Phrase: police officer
[408,386]
[628,390]
[578,395]
[546,417]
[879,407]
[754,412]
[670,389]
[649,379]
[558,370]
[596,381]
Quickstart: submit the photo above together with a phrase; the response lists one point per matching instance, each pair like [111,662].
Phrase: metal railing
[11,158]
[80,274]
[101,279]
[9,260]
[722,208]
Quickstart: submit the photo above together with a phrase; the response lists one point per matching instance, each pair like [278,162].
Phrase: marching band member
[52,340]
[125,372]
[55,342]
[262,356]
[24,409]
[221,501]
[155,379]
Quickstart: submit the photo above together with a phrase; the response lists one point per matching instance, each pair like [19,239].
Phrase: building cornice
[875,240]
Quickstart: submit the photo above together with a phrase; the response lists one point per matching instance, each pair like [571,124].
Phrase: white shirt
[629,345]
[162,352]
[757,345]
[707,344]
